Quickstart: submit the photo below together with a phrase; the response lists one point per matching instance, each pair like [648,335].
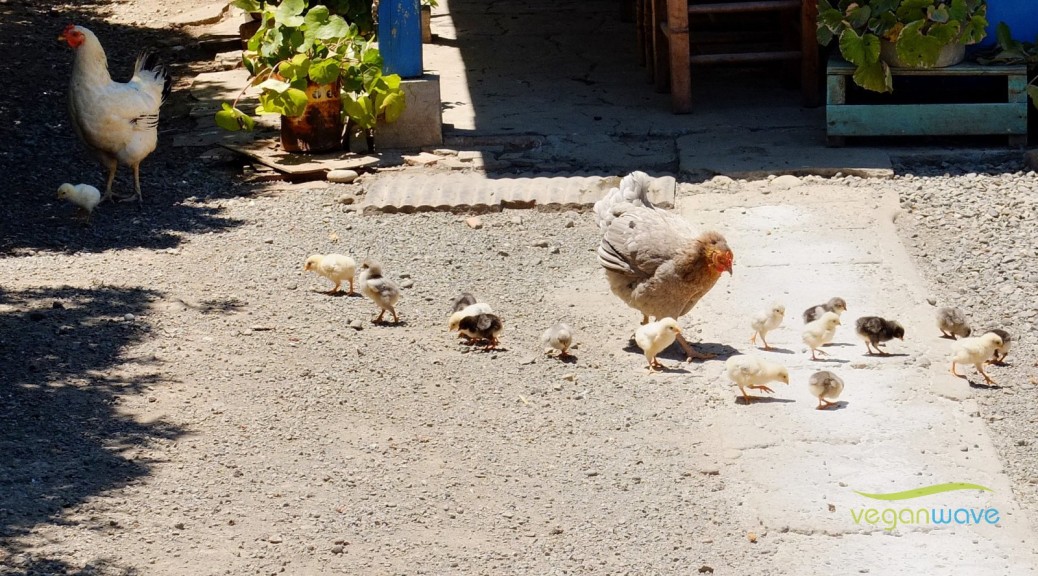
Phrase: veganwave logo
[890,517]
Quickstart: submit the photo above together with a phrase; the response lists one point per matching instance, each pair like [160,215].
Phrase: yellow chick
[83,195]
[1002,351]
[765,321]
[379,289]
[975,351]
[654,338]
[558,337]
[821,332]
[334,267]
[824,385]
[754,372]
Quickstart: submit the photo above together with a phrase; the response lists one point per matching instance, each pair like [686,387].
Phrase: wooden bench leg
[660,50]
[678,49]
[809,73]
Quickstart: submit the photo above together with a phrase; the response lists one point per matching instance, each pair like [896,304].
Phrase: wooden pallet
[1007,118]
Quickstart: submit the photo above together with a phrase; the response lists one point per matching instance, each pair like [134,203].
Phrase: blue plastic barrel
[1020,15]
[400,37]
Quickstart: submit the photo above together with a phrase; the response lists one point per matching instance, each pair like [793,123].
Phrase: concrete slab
[420,124]
[797,468]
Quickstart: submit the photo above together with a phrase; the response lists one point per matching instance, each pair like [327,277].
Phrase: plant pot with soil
[316,70]
[874,35]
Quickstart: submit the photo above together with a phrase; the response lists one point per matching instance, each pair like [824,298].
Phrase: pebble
[356,325]
[342,176]
[407,283]
[129,317]
[474,222]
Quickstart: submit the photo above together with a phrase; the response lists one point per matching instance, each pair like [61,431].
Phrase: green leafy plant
[1007,51]
[919,29]
[299,44]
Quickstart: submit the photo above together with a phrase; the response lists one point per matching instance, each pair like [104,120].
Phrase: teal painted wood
[1018,88]
[836,89]
[841,67]
[926,119]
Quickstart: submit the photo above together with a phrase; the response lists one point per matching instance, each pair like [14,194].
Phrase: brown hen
[654,260]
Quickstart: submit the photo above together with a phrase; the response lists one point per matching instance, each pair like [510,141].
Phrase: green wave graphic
[925,491]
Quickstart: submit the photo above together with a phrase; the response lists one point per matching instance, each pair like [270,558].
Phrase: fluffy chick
[765,321]
[558,337]
[486,327]
[1002,351]
[875,331]
[335,267]
[953,323]
[825,384]
[754,372]
[462,300]
[975,351]
[454,322]
[654,338]
[837,305]
[821,331]
[378,289]
[83,195]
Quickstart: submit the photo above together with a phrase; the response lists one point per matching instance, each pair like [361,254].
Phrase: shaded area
[63,371]
[39,149]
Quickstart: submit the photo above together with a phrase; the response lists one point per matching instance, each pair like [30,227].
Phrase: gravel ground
[970,227]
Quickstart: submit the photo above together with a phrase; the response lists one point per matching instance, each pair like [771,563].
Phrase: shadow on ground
[39,149]
[63,373]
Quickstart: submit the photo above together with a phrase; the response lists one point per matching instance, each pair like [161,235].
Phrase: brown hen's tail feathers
[148,61]
[633,192]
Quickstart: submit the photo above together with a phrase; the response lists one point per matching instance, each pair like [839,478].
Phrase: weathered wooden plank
[926,119]
[270,154]
[743,7]
[842,67]
[744,57]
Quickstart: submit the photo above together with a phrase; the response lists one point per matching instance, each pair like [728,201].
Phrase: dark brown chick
[654,260]
[875,330]
[485,327]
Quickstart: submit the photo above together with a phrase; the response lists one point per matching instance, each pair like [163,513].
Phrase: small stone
[178,526]
[569,377]
[502,253]
[57,305]
[931,301]
[274,539]
[469,155]
[553,250]
[357,325]
[704,569]
[591,473]
[129,317]
[474,222]
[268,240]
[346,199]
[540,244]
[342,176]
[407,283]
[569,224]
[517,220]
[445,152]
[337,549]
[785,182]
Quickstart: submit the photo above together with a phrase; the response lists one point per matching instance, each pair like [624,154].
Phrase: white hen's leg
[112,165]
[136,186]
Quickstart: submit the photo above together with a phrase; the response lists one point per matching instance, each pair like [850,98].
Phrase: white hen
[118,121]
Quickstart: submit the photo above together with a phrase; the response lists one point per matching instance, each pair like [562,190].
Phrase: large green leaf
[290,13]
[295,69]
[937,13]
[247,5]
[975,30]
[1032,91]
[858,16]
[945,33]
[324,71]
[274,85]
[958,10]
[360,110]
[916,49]
[393,106]
[859,50]
[874,76]
[232,119]
[912,10]
[291,102]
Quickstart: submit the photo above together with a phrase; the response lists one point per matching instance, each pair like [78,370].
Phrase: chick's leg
[954,371]
[397,320]
[746,398]
[334,288]
[379,317]
[351,292]
[766,346]
[763,388]
[980,368]
[692,354]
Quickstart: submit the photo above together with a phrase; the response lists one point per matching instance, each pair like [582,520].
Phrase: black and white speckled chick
[486,327]
[813,313]
[875,330]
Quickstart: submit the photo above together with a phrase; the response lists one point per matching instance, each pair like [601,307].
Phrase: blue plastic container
[1020,15]
[400,37]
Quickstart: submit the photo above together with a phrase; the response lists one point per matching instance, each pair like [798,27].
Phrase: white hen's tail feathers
[633,192]
[147,71]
